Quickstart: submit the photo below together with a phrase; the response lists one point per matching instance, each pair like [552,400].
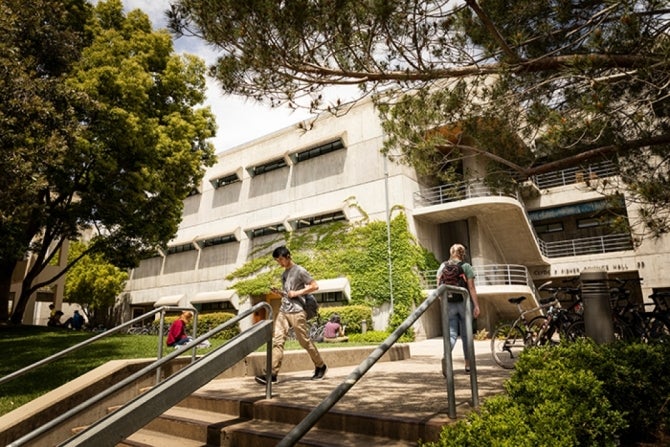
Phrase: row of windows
[279,163]
[258,232]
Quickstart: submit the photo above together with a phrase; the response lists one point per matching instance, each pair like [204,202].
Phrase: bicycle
[509,340]
[314,330]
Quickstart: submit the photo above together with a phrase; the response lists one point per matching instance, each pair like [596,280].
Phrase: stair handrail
[313,417]
[101,335]
[137,375]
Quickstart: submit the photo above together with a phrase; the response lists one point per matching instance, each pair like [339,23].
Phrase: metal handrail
[313,417]
[104,334]
[100,441]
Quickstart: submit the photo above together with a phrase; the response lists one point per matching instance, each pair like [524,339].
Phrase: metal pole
[388,232]
[447,360]
[471,351]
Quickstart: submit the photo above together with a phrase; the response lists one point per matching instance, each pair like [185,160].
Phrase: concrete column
[597,310]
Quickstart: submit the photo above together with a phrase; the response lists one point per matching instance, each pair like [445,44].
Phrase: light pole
[388,231]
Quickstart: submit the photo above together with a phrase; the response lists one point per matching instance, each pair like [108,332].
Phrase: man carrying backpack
[457,272]
[296,283]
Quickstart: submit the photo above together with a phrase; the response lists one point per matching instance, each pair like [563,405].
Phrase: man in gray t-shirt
[296,282]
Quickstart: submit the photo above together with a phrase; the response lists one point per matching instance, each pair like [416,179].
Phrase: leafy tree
[529,86]
[114,154]
[93,283]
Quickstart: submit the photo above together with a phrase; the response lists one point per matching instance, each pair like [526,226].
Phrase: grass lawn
[24,345]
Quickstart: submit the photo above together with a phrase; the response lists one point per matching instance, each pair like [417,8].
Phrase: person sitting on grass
[177,335]
[333,332]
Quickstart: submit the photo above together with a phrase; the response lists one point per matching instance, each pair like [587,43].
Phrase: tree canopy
[94,284]
[102,134]
[533,86]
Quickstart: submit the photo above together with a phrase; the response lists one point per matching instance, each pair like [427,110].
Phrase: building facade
[553,228]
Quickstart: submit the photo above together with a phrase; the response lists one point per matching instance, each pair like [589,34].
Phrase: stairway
[204,419]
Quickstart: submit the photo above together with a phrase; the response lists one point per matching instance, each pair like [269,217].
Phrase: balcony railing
[488,275]
[586,246]
[576,174]
[455,192]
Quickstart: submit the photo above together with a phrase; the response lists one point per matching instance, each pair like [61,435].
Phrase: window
[225,180]
[594,222]
[218,306]
[267,167]
[181,248]
[319,150]
[319,220]
[218,240]
[549,228]
[329,297]
[270,229]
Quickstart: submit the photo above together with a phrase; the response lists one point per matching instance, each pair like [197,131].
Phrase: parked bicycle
[638,323]
[314,330]
[509,340]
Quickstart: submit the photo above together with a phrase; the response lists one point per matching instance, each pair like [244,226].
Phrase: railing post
[447,360]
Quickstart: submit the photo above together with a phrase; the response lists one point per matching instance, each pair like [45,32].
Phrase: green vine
[357,252]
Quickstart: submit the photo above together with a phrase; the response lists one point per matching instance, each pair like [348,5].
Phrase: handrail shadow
[313,417]
[132,416]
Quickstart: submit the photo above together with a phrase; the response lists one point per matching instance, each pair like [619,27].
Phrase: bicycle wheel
[577,330]
[507,343]
[659,331]
[541,335]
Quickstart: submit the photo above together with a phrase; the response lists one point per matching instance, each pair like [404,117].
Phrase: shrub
[207,322]
[351,316]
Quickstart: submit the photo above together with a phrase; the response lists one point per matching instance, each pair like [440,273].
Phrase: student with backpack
[456,272]
[297,283]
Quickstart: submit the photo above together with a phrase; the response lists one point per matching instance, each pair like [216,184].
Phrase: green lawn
[25,345]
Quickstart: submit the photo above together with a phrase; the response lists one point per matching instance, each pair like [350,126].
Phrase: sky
[239,120]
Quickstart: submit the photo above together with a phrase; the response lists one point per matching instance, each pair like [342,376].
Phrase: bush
[579,394]
[351,316]
[207,322]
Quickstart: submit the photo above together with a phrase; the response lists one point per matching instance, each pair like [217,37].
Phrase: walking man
[296,282]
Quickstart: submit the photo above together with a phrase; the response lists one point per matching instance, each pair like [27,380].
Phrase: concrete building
[553,228]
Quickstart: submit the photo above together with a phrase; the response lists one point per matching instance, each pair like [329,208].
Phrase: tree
[133,146]
[93,283]
[532,86]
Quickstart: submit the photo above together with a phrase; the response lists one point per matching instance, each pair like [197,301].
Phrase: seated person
[177,334]
[76,321]
[333,332]
[54,320]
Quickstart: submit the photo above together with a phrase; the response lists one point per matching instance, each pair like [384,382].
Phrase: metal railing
[457,191]
[488,275]
[588,245]
[107,333]
[574,175]
[123,422]
[313,417]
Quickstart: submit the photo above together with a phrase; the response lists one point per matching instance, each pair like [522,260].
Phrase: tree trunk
[6,272]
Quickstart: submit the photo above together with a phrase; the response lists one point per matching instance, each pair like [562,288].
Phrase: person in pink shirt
[333,332]
[177,335]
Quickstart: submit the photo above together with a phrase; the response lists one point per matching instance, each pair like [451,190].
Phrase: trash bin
[597,310]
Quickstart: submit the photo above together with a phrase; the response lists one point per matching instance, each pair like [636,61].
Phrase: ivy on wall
[358,252]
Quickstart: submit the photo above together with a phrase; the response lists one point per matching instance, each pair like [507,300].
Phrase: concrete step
[149,438]
[292,402]
[255,433]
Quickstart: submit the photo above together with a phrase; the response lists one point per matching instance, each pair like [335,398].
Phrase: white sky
[238,120]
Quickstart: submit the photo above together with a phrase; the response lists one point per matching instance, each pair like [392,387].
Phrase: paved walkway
[413,388]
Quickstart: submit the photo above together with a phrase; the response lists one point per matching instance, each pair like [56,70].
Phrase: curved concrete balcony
[500,214]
